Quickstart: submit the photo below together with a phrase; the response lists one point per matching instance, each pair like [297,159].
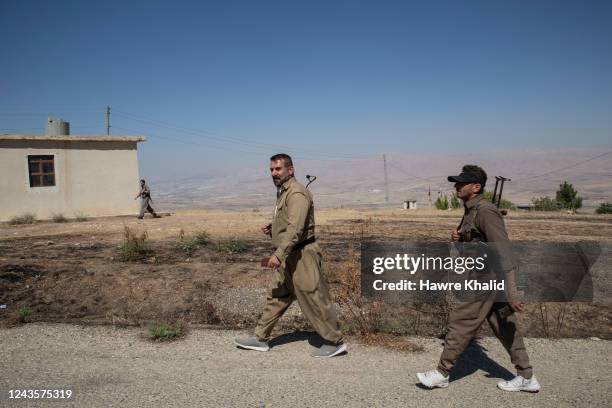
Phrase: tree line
[566,198]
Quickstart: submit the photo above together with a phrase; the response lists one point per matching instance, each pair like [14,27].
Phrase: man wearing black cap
[483,222]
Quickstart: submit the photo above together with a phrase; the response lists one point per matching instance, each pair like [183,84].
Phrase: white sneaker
[518,383]
[433,379]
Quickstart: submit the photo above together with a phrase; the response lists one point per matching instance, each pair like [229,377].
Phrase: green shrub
[546,204]
[167,332]
[192,243]
[604,208]
[59,217]
[201,238]
[231,246]
[27,218]
[568,197]
[442,202]
[134,247]
[25,314]
[455,203]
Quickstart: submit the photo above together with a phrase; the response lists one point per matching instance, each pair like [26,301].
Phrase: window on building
[42,171]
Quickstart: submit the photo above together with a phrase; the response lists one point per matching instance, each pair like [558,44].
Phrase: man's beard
[277,182]
[460,195]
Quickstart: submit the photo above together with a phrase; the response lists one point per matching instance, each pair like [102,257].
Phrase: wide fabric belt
[302,244]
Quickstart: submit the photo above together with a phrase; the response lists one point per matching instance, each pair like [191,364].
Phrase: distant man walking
[145,200]
[297,265]
[483,222]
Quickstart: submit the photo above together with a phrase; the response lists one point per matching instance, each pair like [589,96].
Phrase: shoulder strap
[475,219]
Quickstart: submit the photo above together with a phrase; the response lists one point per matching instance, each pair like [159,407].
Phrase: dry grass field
[83,271]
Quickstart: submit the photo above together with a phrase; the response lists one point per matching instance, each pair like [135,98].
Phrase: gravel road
[108,367]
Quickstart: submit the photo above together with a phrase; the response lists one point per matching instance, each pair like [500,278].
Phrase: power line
[412,176]
[42,111]
[194,143]
[225,139]
[515,180]
[566,167]
[187,142]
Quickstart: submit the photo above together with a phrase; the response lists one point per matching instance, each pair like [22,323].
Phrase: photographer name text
[427,285]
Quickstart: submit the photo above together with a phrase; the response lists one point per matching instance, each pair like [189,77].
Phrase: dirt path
[115,367]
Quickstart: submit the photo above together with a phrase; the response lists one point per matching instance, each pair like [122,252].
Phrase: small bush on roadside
[552,319]
[189,244]
[25,314]
[59,217]
[231,246]
[201,238]
[167,331]
[604,208]
[27,218]
[134,246]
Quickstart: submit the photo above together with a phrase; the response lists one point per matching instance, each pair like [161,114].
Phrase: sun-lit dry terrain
[74,272]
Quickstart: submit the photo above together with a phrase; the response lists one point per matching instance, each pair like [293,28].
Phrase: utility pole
[496,197]
[386,181]
[108,125]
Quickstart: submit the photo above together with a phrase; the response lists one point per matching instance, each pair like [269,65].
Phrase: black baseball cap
[465,177]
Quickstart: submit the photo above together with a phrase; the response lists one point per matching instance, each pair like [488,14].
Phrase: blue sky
[209,82]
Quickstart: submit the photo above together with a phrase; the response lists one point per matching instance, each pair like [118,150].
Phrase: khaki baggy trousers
[464,321]
[301,279]
[145,205]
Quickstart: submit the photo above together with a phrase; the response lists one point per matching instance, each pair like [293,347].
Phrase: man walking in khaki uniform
[297,266]
[483,222]
[145,200]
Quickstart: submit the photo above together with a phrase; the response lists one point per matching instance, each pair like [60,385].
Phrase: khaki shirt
[145,192]
[293,218]
[482,221]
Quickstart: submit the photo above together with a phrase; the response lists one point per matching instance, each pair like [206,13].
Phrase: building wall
[93,178]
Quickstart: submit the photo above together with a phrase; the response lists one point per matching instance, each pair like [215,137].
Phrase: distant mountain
[360,182]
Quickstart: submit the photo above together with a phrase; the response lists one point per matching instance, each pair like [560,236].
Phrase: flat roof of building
[75,138]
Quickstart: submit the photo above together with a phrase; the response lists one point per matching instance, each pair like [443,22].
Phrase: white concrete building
[68,175]
[410,205]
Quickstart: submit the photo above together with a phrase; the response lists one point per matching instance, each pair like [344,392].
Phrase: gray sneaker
[329,350]
[251,343]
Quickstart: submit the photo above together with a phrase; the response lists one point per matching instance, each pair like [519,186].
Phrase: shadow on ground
[311,337]
[475,358]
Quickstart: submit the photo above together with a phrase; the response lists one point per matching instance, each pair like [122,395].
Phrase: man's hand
[517,305]
[274,262]
[267,229]
[455,236]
